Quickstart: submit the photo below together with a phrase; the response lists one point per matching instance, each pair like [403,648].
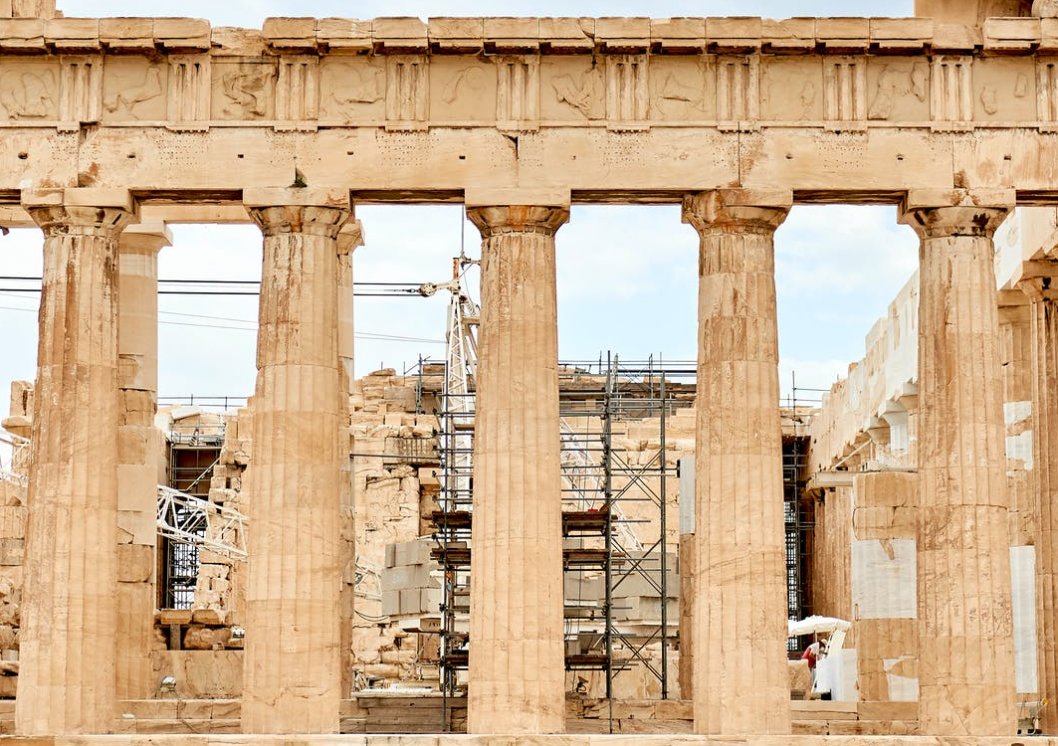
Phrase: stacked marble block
[394,484]
[12,537]
[411,585]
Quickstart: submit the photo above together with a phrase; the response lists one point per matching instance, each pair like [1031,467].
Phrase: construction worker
[812,654]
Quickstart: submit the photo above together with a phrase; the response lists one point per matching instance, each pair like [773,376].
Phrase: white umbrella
[814,624]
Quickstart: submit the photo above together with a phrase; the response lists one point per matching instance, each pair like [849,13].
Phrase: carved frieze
[678,90]
[353,89]
[791,90]
[1004,90]
[244,89]
[460,89]
[29,90]
[898,90]
[134,89]
[617,86]
[572,89]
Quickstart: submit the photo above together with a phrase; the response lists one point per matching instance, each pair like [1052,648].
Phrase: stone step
[182,709]
[855,727]
[156,726]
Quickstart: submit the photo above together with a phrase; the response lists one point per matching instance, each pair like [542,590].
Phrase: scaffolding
[799,525]
[192,456]
[610,504]
[631,489]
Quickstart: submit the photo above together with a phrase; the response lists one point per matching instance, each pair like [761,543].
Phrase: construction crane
[188,519]
[580,473]
[16,444]
[461,356]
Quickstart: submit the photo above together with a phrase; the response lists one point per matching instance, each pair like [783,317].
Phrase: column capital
[320,212]
[737,210]
[80,211]
[145,237]
[499,219]
[940,213]
[1038,289]
[350,237]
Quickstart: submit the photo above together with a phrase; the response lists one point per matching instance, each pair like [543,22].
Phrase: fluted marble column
[1044,321]
[69,619]
[516,636]
[741,684]
[292,668]
[349,240]
[966,666]
[140,445]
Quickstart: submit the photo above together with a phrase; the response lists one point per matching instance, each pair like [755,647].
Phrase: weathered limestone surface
[221,584]
[516,654]
[740,683]
[883,585]
[688,576]
[425,108]
[69,617]
[972,12]
[632,739]
[395,458]
[292,677]
[1015,350]
[27,9]
[139,451]
[966,672]
[349,239]
[1045,449]
[12,545]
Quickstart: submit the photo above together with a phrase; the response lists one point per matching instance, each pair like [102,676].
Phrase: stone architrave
[139,449]
[516,629]
[69,607]
[739,611]
[966,663]
[1044,321]
[292,669]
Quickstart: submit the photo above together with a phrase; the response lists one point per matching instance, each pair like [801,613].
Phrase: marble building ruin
[928,468]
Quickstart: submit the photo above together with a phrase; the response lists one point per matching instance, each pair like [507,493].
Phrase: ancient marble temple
[115,127]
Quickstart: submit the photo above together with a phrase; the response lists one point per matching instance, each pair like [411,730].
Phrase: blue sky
[626,275]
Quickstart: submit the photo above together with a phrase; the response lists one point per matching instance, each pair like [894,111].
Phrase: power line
[372,336]
[396,293]
[235,288]
[178,281]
